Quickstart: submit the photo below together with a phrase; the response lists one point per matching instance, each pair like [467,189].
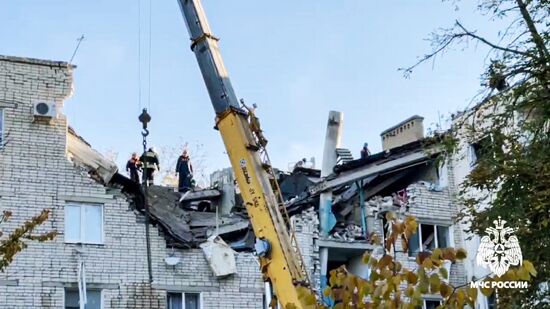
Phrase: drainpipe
[327,219]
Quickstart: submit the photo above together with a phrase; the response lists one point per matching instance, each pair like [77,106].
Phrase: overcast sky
[296,59]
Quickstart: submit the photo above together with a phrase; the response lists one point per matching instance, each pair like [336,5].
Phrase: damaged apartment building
[100,252]
[109,252]
[347,201]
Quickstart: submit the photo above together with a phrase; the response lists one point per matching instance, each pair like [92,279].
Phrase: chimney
[405,132]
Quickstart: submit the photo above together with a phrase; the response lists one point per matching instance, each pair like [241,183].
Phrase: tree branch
[448,39]
[486,42]
[537,39]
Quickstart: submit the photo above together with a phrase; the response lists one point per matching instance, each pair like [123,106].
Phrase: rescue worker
[132,167]
[365,152]
[254,123]
[301,163]
[184,170]
[151,164]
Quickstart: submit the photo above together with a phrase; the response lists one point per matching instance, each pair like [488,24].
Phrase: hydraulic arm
[280,262]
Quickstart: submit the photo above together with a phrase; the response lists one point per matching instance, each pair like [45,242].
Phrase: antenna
[439,121]
[80,39]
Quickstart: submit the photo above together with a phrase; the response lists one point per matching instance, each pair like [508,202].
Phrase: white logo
[499,249]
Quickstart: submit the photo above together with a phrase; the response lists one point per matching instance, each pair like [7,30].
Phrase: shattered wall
[432,206]
[306,226]
[36,174]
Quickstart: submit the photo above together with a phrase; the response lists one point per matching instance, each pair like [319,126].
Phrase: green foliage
[511,123]
[391,285]
[14,242]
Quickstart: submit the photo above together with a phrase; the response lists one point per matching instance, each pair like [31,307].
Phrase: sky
[295,59]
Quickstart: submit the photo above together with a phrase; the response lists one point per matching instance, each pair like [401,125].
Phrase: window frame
[183,298]
[436,238]
[101,296]
[425,305]
[476,148]
[82,222]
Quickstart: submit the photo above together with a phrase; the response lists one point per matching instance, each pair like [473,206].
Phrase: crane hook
[144,118]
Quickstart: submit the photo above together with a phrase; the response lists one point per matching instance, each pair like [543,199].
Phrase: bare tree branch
[486,42]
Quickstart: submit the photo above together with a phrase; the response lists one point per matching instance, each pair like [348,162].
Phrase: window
[429,237]
[478,149]
[72,299]
[183,301]
[84,223]
[431,304]
[1,128]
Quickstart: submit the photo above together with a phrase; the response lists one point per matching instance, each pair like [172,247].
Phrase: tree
[392,285]
[15,242]
[512,172]
[169,158]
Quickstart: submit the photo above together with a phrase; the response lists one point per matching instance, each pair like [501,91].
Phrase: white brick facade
[35,174]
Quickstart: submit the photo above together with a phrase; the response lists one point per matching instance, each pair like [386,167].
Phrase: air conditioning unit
[45,109]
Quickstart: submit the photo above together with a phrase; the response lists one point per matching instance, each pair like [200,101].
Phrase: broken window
[428,237]
[1,128]
[84,223]
[478,149]
[183,301]
[72,299]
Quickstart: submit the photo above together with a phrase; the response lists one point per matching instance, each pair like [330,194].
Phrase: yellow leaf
[396,280]
[424,287]
[472,294]
[384,261]
[411,277]
[436,255]
[404,243]
[386,273]
[486,292]
[390,216]
[427,263]
[421,256]
[409,291]
[366,257]
[374,276]
[461,254]
[444,273]
[530,268]
[449,254]
[461,298]
[310,300]
[373,262]
[445,290]
[326,292]
[435,283]
[417,295]
[523,274]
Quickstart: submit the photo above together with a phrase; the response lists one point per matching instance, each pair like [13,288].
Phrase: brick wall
[306,225]
[35,174]
[428,205]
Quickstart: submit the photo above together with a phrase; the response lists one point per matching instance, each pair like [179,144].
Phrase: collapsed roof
[191,218]
[378,173]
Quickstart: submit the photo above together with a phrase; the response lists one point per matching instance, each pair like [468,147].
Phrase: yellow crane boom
[280,261]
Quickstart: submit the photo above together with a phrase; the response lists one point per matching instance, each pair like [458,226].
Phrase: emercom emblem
[499,249]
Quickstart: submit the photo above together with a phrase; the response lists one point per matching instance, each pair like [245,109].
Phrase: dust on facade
[101,250]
